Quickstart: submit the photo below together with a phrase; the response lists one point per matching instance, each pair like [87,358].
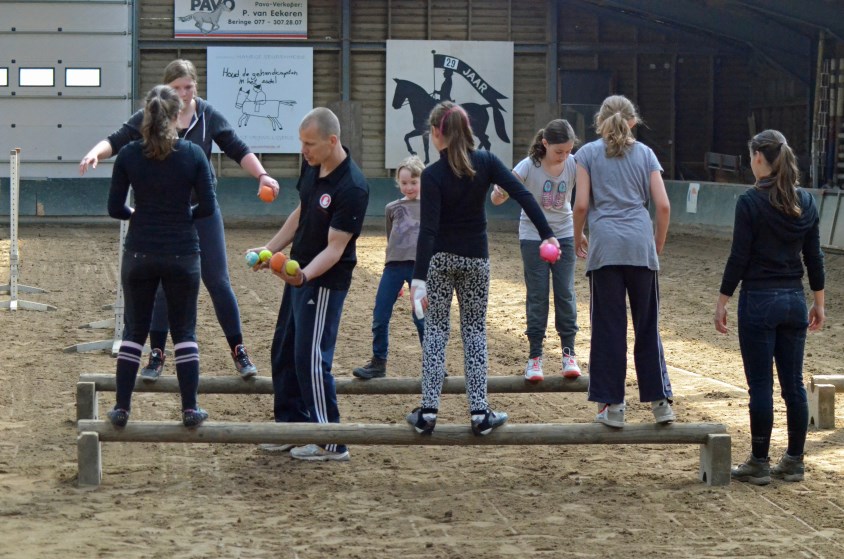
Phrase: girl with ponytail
[618,178]
[201,124]
[452,254]
[549,174]
[776,225]
[161,247]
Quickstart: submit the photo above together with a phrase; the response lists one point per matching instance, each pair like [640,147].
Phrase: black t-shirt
[336,201]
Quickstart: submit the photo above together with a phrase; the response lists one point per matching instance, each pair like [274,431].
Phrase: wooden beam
[835,380]
[400,434]
[263,385]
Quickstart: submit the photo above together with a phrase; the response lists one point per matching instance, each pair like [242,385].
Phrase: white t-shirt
[553,194]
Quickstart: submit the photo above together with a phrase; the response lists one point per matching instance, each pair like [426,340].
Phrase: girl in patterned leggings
[452,255]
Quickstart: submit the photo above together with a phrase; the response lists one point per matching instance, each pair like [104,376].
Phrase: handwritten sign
[240,19]
[264,92]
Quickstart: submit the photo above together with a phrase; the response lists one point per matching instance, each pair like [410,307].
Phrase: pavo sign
[240,19]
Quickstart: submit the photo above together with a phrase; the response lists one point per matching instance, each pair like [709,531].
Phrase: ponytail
[612,124]
[785,175]
[558,131]
[157,130]
[453,125]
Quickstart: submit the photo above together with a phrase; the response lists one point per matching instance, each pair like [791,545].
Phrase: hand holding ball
[291,268]
[266,194]
[252,258]
[277,261]
[265,255]
[549,253]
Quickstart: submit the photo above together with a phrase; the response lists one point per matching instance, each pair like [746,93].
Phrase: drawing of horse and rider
[254,102]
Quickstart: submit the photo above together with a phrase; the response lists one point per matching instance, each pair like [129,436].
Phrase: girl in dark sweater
[452,255]
[162,246]
[775,224]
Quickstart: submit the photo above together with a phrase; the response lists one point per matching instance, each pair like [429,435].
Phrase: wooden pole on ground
[263,385]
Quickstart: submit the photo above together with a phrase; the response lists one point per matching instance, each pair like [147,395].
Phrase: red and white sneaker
[533,370]
[570,367]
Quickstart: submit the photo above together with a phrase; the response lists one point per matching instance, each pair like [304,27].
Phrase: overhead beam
[820,14]
[778,44]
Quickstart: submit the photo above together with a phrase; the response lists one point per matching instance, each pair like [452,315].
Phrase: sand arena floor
[167,500]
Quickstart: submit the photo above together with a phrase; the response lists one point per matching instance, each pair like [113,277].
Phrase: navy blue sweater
[207,125]
[162,222]
[767,245]
[453,210]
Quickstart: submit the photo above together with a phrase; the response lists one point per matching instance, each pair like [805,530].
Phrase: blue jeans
[536,303]
[772,327]
[395,275]
[215,277]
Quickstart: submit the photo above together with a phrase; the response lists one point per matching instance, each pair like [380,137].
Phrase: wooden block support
[835,380]
[231,384]
[89,458]
[821,404]
[86,400]
[716,460]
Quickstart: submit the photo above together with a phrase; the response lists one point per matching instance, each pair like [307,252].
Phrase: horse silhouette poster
[476,74]
[264,93]
[240,19]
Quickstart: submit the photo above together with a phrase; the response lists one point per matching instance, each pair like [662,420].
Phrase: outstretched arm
[102,150]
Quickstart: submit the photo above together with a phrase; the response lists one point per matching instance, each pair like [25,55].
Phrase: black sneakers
[118,417]
[152,371]
[242,363]
[423,422]
[376,368]
[484,423]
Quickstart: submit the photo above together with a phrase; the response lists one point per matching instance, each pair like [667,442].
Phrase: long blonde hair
[611,123]
[784,172]
[452,122]
[160,110]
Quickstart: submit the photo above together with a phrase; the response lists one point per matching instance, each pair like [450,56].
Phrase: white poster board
[240,19]
[691,198]
[476,74]
[264,92]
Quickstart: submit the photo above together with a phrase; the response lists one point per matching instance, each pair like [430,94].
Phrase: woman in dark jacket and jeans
[162,247]
[200,124]
[776,223]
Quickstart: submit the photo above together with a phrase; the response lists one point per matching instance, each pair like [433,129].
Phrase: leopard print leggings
[470,278]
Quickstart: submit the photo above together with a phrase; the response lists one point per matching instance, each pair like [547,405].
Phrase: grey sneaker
[484,423]
[243,364]
[193,418]
[789,468]
[611,415]
[423,422]
[376,368]
[315,453]
[275,448]
[662,411]
[152,371]
[756,471]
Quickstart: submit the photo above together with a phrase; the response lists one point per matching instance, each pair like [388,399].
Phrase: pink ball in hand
[549,253]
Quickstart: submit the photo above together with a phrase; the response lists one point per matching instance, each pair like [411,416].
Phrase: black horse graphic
[421,103]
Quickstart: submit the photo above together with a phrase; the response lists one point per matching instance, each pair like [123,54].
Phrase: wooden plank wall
[692,103]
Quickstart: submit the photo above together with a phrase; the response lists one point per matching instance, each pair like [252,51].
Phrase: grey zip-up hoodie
[768,244]
[207,125]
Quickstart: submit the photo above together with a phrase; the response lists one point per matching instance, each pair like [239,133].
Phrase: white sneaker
[275,448]
[314,452]
[533,370]
[611,415]
[570,367]
[662,411]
